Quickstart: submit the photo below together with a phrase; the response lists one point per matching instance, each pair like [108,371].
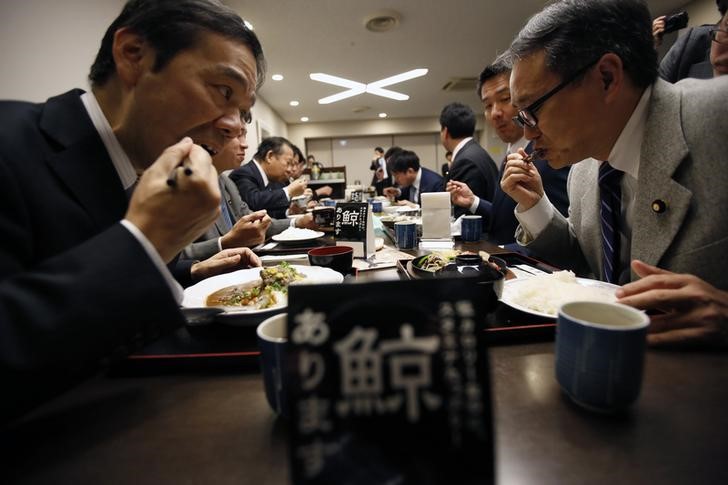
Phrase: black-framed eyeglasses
[720,36]
[526,117]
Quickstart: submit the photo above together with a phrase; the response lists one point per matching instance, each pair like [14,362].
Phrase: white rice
[547,292]
[295,233]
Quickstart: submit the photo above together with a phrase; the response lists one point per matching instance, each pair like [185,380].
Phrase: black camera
[676,22]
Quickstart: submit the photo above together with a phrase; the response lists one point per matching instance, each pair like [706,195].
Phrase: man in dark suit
[470,164]
[689,56]
[82,265]
[499,221]
[262,181]
[412,179]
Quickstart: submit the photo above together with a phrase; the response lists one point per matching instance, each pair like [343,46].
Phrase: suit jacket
[75,285]
[258,196]
[473,166]
[206,245]
[499,220]
[689,56]
[429,182]
[680,166]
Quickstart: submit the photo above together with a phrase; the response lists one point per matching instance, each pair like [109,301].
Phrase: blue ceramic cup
[600,349]
[471,228]
[406,234]
[328,202]
[272,337]
[377,206]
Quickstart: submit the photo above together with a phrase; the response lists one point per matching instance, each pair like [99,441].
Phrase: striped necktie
[610,194]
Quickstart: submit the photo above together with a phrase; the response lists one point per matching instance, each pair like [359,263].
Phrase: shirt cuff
[535,219]
[175,288]
[474,206]
[285,191]
[219,244]
[293,221]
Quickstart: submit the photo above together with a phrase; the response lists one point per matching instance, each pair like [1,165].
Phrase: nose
[230,124]
[531,133]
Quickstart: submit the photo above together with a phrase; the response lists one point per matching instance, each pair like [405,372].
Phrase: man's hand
[248,231]
[324,191]
[391,192]
[460,193]
[225,261]
[297,187]
[173,217]
[658,30]
[521,181]
[695,312]
[306,222]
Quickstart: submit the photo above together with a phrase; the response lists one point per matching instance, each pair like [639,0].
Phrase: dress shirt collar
[418,180]
[625,154]
[459,146]
[262,173]
[122,164]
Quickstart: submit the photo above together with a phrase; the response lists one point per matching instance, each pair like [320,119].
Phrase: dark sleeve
[257,198]
[63,318]
[554,184]
[689,49]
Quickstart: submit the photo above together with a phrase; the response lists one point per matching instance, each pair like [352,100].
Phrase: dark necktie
[226,216]
[610,194]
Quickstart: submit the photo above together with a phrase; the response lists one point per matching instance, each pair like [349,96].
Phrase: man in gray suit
[237,226]
[585,99]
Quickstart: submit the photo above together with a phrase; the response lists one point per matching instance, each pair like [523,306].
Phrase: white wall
[48,47]
[264,120]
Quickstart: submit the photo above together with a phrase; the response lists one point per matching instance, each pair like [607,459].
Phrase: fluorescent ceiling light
[355,88]
[277,77]
[294,103]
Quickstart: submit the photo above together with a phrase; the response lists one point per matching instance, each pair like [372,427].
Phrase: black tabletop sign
[350,223]
[396,392]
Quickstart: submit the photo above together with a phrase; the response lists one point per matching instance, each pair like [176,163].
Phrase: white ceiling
[452,38]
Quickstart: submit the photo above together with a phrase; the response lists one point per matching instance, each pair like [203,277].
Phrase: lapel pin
[659,206]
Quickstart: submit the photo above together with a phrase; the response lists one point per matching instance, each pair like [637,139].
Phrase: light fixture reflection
[355,88]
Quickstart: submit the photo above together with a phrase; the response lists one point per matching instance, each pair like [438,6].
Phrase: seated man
[298,165]
[85,241]
[262,181]
[237,226]
[413,180]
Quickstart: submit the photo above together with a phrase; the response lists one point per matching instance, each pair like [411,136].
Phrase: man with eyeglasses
[647,185]
[719,44]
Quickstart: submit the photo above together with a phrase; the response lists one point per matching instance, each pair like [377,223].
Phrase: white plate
[510,289]
[196,295]
[283,239]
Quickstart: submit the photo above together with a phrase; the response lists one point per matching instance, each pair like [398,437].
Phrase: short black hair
[379,149]
[172,26]
[273,144]
[503,64]
[391,151]
[459,120]
[722,6]
[297,152]
[404,160]
[573,33]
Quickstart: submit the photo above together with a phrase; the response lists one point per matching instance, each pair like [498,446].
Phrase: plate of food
[543,294]
[439,263]
[255,291]
[297,235]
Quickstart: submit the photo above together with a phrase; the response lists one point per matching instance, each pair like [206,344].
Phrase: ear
[611,74]
[132,56]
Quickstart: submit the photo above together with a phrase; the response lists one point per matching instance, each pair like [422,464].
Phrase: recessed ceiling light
[294,103]
[382,115]
[248,24]
[277,77]
[304,118]
[354,87]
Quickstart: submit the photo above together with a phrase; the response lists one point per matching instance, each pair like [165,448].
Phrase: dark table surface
[211,424]
[216,427]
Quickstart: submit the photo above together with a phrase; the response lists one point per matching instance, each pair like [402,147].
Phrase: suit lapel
[81,161]
[663,150]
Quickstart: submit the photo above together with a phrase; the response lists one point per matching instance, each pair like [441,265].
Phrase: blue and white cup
[471,228]
[272,338]
[328,202]
[376,206]
[600,351]
[406,234]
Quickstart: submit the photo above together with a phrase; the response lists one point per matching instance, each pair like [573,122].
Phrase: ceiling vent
[360,109]
[461,84]
[382,21]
